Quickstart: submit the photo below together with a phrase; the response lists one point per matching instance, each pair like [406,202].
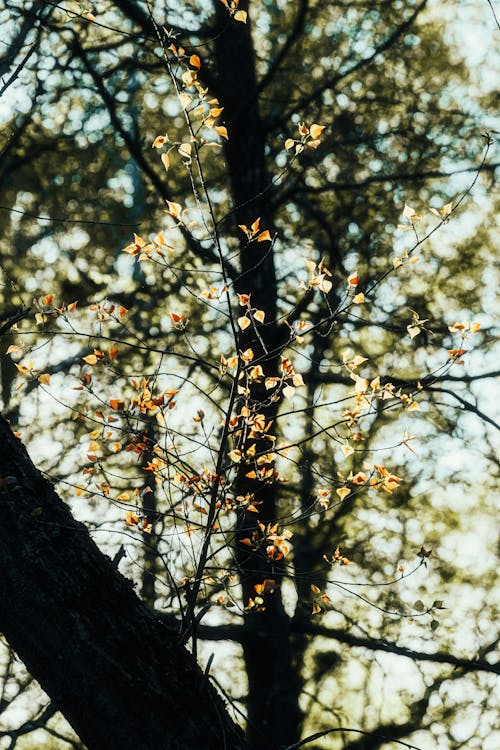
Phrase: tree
[335,191]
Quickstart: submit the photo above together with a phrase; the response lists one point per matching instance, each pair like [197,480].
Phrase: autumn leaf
[316,130]
[185,150]
[221,130]
[195,61]
[342,492]
[159,141]
[244,322]
[174,209]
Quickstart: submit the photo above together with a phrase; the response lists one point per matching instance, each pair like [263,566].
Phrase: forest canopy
[247,318]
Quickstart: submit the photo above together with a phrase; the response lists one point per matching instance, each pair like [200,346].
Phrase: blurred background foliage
[404,113]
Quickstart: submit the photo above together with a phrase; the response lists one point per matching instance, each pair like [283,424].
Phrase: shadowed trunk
[274,683]
[114,671]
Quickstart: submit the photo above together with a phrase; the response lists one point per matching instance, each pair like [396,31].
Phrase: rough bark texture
[116,673]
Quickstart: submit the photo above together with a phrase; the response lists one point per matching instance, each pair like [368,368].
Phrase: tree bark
[115,672]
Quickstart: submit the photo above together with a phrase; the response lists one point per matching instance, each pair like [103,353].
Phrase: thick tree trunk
[116,673]
[273,670]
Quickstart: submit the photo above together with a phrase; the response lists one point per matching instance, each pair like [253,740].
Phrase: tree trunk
[114,671]
[273,671]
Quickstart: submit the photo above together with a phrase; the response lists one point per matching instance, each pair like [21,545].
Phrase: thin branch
[234,632]
[494,14]
[325,732]
[467,406]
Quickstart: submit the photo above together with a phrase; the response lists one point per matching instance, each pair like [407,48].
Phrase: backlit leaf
[221,130]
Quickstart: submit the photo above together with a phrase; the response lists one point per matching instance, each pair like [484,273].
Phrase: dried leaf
[221,130]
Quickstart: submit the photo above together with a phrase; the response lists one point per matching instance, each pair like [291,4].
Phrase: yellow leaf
[347,450]
[298,380]
[221,130]
[185,150]
[185,100]
[166,160]
[159,141]
[244,322]
[315,589]
[259,315]
[257,372]
[271,382]
[131,519]
[316,130]
[288,391]
[263,236]
[91,359]
[123,496]
[195,61]
[240,15]
[289,143]
[13,348]
[359,299]
[45,378]
[342,492]
[189,77]
[174,209]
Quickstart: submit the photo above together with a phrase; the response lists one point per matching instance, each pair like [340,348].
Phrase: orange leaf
[221,130]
